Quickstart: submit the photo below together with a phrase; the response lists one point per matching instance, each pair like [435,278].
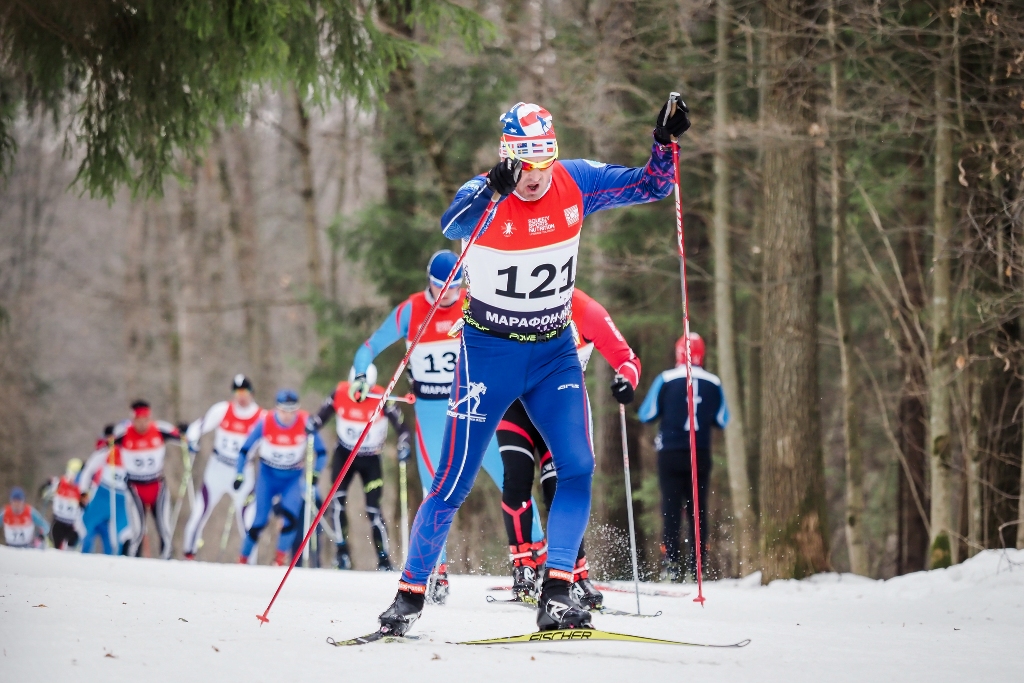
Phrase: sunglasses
[531,165]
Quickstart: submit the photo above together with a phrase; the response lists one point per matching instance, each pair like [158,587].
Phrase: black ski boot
[583,590]
[384,563]
[524,583]
[556,609]
[437,586]
[397,619]
[343,561]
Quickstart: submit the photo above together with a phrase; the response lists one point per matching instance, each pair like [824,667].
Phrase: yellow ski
[586,634]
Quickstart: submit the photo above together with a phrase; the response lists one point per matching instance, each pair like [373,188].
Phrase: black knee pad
[289,521]
[254,533]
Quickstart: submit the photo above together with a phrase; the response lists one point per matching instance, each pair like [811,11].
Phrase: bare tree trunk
[314,266]
[848,383]
[735,432]
[237,192]
[975,538]
[939,442]
[793,524]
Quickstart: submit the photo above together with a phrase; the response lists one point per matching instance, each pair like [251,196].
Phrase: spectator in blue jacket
[667,399]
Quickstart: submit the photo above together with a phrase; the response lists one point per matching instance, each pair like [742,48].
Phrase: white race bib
[19,535]
[434,362]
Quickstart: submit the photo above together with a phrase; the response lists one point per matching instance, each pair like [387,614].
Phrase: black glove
[404,449]
[316,478]
[677,124]
[622,390]
[504,177]
[182,428]
[238,481]
[313,424]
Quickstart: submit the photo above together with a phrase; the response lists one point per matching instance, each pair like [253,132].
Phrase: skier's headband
[521,148]
[141,411]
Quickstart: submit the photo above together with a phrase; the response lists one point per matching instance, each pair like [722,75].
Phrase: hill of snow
[88,618]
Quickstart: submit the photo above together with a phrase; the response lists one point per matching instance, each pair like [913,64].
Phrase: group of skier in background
[497,382]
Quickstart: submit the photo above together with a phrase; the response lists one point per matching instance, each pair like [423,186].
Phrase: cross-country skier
[231,422]
[432,367]
[350,420]
[65,495]
[24,527]
[668,400]
[280,441]
[104,483]
[522,445]
[522,271]
[143,443]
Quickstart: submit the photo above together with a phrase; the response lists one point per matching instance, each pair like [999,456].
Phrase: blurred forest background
[854,210]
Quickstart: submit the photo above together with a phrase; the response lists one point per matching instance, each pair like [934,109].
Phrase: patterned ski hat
[440,267]
[528,131]
[287,399]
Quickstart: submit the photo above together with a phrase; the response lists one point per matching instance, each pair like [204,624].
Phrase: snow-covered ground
[87,618]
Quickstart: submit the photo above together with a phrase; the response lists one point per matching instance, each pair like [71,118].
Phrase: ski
[375,637]
[591,634]
[606,611]
[608,588]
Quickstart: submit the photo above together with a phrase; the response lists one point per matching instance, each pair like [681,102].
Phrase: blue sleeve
[722,418]
[607,187]
[39,521]
[321,452]
[394,327]
[649,408]
[470,202]
[243,453]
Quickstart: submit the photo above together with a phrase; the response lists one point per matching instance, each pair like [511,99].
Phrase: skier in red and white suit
[522,445]
[231,421]
[143,446]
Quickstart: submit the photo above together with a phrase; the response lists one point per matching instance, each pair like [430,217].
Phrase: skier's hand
[404,448]
[359,388]
[313,424]
[504,177]
[238,482]
[677,124]
[622,390]
[316,478]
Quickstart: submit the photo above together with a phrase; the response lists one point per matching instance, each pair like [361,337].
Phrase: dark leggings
[675,478]
[62,532]
[368,467]
[521,446]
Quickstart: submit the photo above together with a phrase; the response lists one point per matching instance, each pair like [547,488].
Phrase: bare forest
[854,212]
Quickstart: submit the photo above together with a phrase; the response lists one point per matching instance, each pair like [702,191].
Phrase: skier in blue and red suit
[522,271]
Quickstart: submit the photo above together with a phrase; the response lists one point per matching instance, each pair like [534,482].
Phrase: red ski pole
[673,98]
[380,404]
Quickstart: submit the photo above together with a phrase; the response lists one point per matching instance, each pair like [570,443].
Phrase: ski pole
[186,487]
[379,408]
[403,502]
[629,504]
[408,398]
[673,99]
[227,530]
[308,507]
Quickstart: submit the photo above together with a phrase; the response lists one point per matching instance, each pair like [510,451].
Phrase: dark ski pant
[63,532]
[490,375]
[675,479]
[370,472]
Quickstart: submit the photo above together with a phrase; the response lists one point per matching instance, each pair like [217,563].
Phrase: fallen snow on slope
[88,618]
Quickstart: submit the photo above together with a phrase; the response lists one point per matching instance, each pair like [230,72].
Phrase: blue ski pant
[490,374]
[96,520]
[290,486]
[431,419]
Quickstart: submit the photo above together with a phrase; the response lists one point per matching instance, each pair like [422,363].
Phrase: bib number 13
[545,273]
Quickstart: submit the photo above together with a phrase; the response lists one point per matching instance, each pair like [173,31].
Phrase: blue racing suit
[281,474]
[515,345]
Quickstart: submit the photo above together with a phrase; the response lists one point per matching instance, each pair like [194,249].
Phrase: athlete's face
[243,397]
[141,424]
[286,417]
[450,297]
[534,183]
[17,506]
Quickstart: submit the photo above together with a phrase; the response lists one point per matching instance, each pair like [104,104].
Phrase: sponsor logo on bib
[572,215]
[539,226]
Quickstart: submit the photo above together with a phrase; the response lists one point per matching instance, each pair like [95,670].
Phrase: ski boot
[397,619]
[557,610]
[190,556]
[243,559]
[384,563]
[281,558]
[524,584]
[437,586]
[583,590]
[342,558]
[671,571]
